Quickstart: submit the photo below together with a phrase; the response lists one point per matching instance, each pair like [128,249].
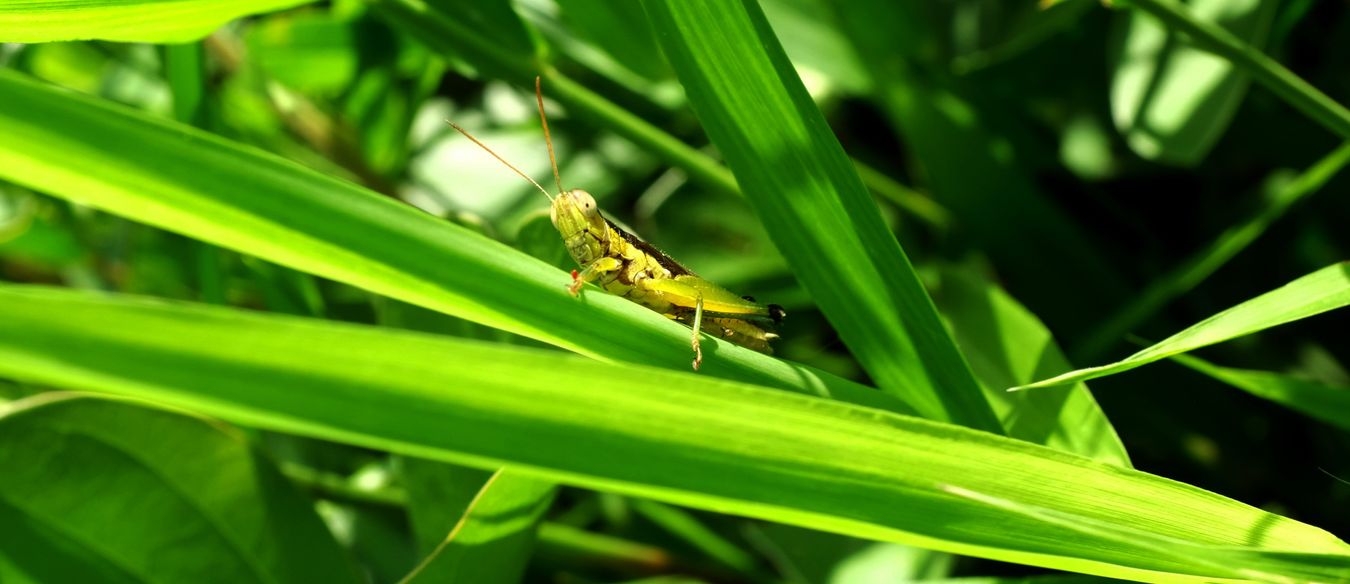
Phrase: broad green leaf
[1171,100]
[492,541]
[1007,346]
[209,188]
[141,21]
[701,442]
[106,491]
[795,174]
[1318,292]
[1319,400]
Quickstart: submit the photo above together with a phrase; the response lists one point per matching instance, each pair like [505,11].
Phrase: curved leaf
[1316,399]
[1323,290]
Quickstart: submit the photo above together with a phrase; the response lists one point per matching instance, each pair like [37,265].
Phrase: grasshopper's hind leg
[592,271]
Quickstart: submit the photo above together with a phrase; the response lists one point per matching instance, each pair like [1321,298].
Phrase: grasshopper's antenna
[503,160]
[539,96]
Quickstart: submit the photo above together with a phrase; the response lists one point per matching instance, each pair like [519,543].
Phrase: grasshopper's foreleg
[592,271]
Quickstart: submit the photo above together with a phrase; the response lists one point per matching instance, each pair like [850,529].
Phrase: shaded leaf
[1171,100]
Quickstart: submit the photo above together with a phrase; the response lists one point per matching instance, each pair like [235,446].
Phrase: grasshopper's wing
[685,290]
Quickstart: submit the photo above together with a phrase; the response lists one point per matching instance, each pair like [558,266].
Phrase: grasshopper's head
[583,228]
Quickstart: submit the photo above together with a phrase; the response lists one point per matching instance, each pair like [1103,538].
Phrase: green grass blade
[1298,93]
[1195,269]
[703,442]
[209,188]
[795,174]
[687,528]
[185,70]
[1047,259]
[1318,292]
[493,540]
[96,490]
[140,21]
[1322,401]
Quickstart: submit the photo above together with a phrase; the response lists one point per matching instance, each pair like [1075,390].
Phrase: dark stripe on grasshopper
[661,258]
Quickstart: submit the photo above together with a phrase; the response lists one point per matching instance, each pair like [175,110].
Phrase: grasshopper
[622,264]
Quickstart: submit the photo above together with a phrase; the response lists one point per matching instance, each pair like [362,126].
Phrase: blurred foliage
[1090,164]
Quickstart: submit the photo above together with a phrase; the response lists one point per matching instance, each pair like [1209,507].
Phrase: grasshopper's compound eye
[584,201]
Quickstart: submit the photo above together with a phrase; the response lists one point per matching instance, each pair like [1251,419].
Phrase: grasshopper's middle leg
[675,289]
[592,271]
[698,326]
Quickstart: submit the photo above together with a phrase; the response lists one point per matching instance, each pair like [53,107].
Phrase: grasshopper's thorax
[584,231]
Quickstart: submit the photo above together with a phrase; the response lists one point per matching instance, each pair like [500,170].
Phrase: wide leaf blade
[703,442]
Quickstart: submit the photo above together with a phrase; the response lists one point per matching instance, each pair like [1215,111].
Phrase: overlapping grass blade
[209,188]
[796,176]
[1196,268]
[702,442]
[1313,398]
[141,21]
[1315,293]
[1298,93]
